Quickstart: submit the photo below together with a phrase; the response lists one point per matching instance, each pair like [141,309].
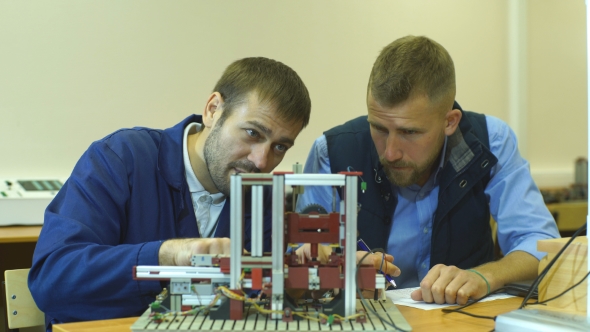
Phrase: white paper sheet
[402,297]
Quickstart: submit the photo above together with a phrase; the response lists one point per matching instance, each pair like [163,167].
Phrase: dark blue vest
[461,233]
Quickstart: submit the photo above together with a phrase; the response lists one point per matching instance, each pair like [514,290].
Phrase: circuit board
[255,321]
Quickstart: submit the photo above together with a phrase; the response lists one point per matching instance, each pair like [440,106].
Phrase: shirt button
[423,265]
[425,230]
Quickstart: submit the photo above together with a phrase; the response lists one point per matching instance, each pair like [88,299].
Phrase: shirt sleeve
[515,200]
[317,161]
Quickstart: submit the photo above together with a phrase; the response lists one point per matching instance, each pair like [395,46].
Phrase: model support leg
[278,238]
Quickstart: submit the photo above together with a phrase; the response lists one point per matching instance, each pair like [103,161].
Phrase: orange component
[256,276]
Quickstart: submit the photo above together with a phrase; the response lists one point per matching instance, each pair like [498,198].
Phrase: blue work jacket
[126,195]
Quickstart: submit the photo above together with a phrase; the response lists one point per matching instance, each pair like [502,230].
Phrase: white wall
[558,116]
[72,72]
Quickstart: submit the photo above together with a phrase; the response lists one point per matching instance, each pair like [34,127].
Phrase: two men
[144,196]
[434,174]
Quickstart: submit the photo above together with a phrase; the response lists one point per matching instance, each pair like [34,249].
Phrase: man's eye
[380,130]
[409,132]
[281,148]
[252,133]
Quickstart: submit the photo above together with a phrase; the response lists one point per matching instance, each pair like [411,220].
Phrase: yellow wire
[235,296]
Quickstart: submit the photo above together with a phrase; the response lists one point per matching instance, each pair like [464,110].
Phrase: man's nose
[393,149]
[259,156]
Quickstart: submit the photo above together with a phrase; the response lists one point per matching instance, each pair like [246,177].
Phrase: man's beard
[215,156]
[417,172]
[403,178]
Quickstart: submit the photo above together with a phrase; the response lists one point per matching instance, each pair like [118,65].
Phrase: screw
[14,313]
[13,297]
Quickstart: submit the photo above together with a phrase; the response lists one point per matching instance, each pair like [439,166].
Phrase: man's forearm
[516,266]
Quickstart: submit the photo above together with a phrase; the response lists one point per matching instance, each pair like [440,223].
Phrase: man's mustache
[244,165]
[398,163]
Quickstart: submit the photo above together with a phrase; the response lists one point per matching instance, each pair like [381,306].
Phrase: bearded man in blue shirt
[146,196]
[434,174]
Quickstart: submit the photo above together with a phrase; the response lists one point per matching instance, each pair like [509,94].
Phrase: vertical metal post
[256,224]
[278,239]
[350,248]
[235,233]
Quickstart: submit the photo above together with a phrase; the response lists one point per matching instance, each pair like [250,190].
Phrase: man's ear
[213,109]
[452,119]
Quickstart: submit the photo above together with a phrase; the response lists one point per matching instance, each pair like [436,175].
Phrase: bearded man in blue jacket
[146,196]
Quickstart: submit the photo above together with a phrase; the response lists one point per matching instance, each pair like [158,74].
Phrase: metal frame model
[220,285]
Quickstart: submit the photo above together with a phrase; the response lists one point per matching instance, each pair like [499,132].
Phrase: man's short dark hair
[275,84]
[411,66]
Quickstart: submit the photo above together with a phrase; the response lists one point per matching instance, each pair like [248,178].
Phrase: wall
[72,72]
[558,89]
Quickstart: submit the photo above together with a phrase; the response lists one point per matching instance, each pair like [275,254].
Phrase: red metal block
[256,276]
[366,278]
[236,309]
[330,277]
[298,278]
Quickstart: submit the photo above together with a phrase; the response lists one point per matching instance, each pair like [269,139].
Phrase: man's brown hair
[409,66]
[275,84]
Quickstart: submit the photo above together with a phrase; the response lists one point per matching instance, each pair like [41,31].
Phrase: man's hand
[178,252]
[449,284]
[376,259]
[380,264]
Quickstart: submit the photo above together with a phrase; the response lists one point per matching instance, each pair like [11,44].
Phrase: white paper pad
[402,297]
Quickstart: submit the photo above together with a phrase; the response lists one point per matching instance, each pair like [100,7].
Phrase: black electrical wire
[460,309]
[565,291]
[364,301]
[531,290]
[500,290]
[541,275]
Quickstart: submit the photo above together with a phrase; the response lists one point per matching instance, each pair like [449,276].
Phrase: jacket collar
[170,163]
[462,145]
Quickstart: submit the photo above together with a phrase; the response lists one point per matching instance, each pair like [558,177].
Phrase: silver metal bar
[175,302]
[278,239]
[252,179]
[167,272]
[315,179]
[350,249]
[265,259]
[235,233]
[199,299]
[256,223]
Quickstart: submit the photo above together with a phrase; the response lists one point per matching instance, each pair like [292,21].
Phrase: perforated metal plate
[254,321]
